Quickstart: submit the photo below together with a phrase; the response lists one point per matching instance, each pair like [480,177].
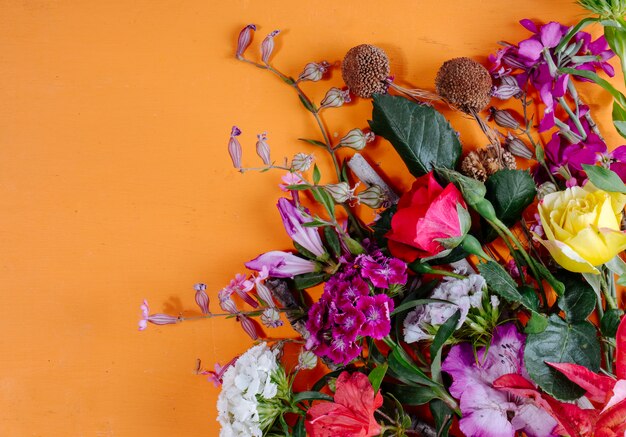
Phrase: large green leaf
[411,395]
[443,417]
[422,136]
[619,119]
[561,342]
[579,299]
[510,192]
[604,179]
[501,283]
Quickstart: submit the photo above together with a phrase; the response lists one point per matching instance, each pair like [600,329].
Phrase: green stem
[573,117]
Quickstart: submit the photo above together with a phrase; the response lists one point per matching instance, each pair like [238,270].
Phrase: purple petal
[485,412]
[530,48]
[551,34]
[529,24]
[598,46]
[561,85]
[547,122]
[534,421]
[619,154]
[620,169]
[281,264]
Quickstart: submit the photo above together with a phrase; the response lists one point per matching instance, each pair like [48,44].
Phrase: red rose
[429,220]
[352,413]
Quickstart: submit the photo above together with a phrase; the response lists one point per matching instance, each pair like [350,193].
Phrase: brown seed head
[482,163]
[465,84]
[365,70]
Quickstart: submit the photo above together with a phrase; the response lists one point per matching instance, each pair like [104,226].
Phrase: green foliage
[377,375]
[604,179]
[579,299]
[443,417]
[308,280]
[610,322]
[422,136]
[561,342]
[510,193]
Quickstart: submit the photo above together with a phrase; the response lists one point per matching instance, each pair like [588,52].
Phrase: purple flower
[342,350]
[547,37]
[293,221]
[248,325]
[487,411]
[263,149]
[241,286]
[348,323]
[234,148]
[244,40]
[384,271]
[202,299]
[377,312]
[157,319]
[282,264]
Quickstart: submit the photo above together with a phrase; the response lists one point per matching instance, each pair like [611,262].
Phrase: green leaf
[556,285]
[619,97]
[399,362]
[325,199]
[580,300]
[299,187]
[561,342]
[604,179]
[309,280]
[530,296]
[303,251]
[413,303]
[422,136]
[299,430]
[314,142]
[443,334]
[510,192]
[410,395]
[610,322]
[311,396]
[443,417]
[573,31]
[316,174]
[332,240]
[377,375]
[307,104]
[501,283]
[619,119]
[536,324]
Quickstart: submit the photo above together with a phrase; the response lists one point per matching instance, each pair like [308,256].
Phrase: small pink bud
[264,293]
[313,71]
[267,46]
[202,299]
[263,149]
[226,303]
[234,148]
[335,97]
[248,325]
[245,38]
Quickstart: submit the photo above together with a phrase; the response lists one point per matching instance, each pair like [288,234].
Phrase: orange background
[115,183]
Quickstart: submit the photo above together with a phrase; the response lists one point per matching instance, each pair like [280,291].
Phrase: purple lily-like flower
[487,411]
[599,49]
[282,264]
[293,221]
[545,38]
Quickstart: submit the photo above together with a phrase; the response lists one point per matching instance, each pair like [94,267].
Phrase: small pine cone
[464,83]
[482,163]
[365,70]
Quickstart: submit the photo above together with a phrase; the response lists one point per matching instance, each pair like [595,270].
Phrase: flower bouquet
[481,302]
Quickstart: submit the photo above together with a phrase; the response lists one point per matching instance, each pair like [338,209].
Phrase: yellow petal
[567,258]
[590,245]
[606,216]
[615,241]
[544,214]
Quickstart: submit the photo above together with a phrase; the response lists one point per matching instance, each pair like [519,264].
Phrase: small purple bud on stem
[234,148]
[162,319]
[517,147]
[248,325]
[267,46]
[263,149]
[503,118]
[335,98]
[202,299]
[265,293]
[245,38]
[313,71]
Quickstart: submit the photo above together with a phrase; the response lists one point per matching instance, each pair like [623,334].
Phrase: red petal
[613,418]
[598,386]
[620,351]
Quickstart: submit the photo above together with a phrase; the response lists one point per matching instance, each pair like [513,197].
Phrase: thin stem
[573,117]
[446,273]
[245,313]
[265,168]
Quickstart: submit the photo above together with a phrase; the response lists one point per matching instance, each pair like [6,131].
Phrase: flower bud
[546,188]
[307,360]
[374,197]
[267,46]
[517,147]
[248,325]
[494,301]
[226,303]
[245,38]
[271,318]
[162,319]
[356,139]
[508,88]
[503,118]
[234,148]
[313,71]
[264,293]
[263,149]
[340,192]
[202,299]
[302,162]
[334,98]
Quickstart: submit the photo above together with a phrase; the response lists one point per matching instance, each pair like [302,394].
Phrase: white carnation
[243,383]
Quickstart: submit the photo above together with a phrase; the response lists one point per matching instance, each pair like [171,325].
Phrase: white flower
[244,384]
[462,293]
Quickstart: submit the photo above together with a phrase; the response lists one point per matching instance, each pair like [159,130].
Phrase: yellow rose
[582,226]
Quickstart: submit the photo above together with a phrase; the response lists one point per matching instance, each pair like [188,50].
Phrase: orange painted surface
[115,183]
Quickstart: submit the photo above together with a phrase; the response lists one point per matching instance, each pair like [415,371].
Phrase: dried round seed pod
[465,84]
[365,70]
[482,163]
